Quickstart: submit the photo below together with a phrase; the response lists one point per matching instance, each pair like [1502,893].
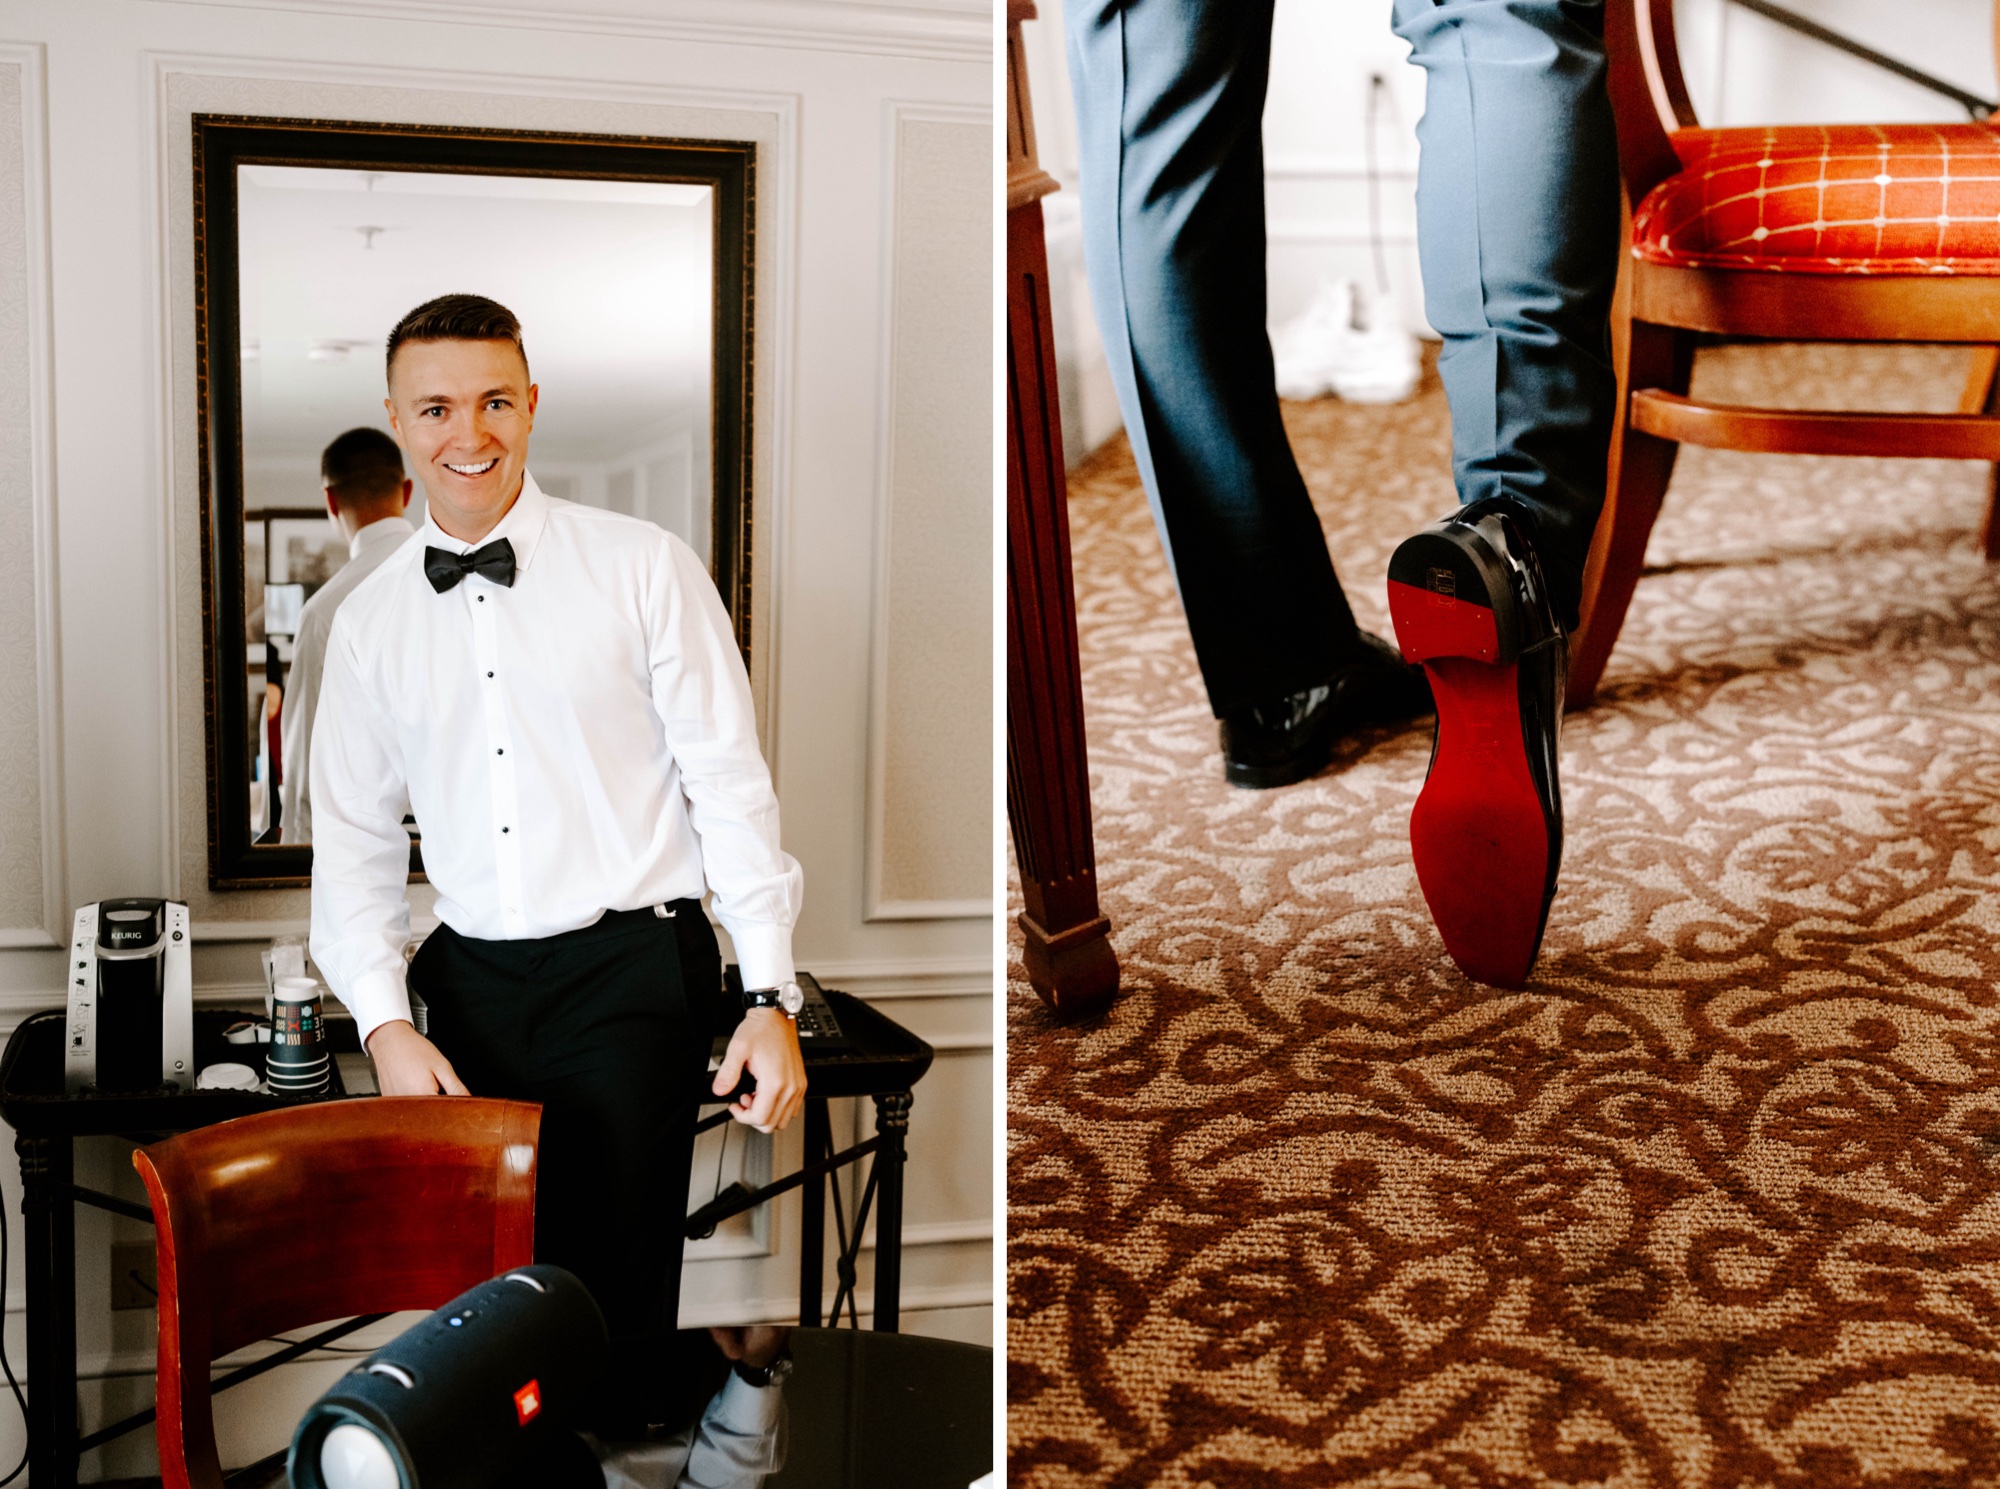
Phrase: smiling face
[462,411]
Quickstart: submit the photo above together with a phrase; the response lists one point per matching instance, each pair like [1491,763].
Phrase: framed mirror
[628,262]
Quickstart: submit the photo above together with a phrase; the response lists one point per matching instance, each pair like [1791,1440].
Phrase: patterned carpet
[1716,1201]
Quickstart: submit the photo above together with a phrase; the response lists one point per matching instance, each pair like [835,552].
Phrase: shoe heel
[1430,625]
[1480,840]
[1450,596]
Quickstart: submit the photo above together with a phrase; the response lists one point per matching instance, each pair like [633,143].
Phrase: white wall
[1741,69]
[866,115]
[1744,69]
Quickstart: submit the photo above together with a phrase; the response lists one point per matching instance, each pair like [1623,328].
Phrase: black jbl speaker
[469,1398]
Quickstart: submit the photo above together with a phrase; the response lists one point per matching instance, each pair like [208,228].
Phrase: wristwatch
[787,997]
[773,1374]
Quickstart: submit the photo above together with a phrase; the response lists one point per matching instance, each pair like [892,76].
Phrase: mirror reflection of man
[556,692]
[367,494]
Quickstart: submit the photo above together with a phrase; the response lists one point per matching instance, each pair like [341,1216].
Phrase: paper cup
[313,1085]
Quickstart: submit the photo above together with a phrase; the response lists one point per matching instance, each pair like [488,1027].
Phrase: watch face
[791,998]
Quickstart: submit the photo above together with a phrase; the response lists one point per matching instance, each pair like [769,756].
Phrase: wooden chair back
[1649,98]
[315,1213]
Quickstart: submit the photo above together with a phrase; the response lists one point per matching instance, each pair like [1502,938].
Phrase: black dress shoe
[1470,604]
[1290,738]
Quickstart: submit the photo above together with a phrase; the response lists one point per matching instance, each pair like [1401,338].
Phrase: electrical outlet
[134,1282]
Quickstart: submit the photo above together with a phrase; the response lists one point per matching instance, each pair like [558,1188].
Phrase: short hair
[362,465]
[456,318]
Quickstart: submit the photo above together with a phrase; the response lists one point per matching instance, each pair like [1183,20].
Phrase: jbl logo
[1443,581]
[528,1402]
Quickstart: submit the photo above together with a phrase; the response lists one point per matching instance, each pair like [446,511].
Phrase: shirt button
[489,674]
[504,829]
[499,752]
[480,598]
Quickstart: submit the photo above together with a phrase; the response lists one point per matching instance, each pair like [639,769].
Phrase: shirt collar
[378,531]
[522,526]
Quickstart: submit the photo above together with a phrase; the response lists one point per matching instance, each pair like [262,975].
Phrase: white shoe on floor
[1349,342]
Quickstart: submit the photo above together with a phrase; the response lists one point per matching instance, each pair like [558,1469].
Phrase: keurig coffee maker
[131,998]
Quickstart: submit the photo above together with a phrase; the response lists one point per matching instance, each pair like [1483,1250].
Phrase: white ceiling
[610,281]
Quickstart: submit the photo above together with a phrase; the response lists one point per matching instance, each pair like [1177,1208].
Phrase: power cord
[1376,84]
[14,1385]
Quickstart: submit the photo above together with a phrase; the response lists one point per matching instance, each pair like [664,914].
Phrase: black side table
[884,1061]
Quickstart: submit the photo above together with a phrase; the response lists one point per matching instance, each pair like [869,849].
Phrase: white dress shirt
[366,550]
[580,742]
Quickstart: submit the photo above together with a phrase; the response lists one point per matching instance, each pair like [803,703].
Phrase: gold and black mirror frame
[222,143]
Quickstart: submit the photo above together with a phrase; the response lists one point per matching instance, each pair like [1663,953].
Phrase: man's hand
[756,1346]
[407,1064]
[767,1045]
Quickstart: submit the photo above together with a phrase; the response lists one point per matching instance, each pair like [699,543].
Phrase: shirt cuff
[744,1410]
[764,953]
[375,999]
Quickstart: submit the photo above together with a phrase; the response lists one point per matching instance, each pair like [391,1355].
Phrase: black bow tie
[495,562]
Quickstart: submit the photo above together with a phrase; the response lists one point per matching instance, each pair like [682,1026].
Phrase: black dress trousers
[608,1028]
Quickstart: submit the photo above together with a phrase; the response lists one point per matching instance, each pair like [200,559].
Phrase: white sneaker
[1348,341]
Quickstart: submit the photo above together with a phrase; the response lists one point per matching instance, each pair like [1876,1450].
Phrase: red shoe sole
[1478,833]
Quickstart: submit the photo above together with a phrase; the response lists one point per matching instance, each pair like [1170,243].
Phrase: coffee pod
[226,1077]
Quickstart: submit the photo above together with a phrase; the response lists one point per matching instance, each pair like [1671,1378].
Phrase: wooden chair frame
[288,1218]
[1659,310]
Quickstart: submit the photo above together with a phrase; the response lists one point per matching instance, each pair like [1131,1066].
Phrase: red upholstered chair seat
[1829,199]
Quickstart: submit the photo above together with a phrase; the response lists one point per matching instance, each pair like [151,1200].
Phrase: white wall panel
[952,30]
[31,889]
[934,570]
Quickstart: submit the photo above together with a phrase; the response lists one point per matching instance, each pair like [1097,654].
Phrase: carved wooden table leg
[892,1122]
[1068,956]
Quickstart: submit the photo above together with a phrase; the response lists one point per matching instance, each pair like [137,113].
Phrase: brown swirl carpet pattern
[1716,1201]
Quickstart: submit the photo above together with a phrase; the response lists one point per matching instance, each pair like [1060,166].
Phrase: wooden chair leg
[1982,396]
[1647,356]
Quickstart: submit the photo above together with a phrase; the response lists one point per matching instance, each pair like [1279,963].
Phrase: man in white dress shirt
[556,693]
[361,474]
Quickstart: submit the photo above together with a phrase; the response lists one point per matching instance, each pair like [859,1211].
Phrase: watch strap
[762,1375]
[787,998]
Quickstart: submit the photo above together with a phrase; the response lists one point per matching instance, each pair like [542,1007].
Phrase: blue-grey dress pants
[1517,212]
